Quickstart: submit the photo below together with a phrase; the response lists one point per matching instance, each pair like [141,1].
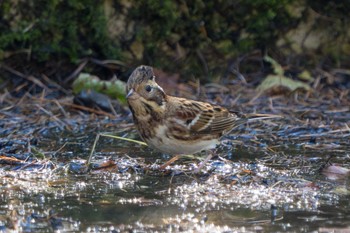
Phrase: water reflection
[230,195]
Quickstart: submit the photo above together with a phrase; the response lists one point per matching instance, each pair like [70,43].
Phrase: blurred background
[196,40]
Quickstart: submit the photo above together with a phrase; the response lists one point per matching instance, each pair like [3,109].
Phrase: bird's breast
[165,142]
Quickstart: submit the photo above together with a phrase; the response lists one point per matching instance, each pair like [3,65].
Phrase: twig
[125,139]
[89,109]
[51,115]
[88,162]
[76,71]
[29,78]
[110,136]
[59,87]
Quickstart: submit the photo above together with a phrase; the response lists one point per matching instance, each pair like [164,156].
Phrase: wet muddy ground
[288,175]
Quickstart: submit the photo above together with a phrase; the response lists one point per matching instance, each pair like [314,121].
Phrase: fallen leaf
[279,81]
[305,75]
[277,68]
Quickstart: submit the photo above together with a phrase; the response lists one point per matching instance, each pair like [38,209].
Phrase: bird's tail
[253,117]
[259,116]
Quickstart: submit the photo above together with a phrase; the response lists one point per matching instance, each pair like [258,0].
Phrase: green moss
[160,16]
[56,29]
[190,37]
[224,28]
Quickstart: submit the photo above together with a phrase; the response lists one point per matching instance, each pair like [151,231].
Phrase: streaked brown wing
[204,118]
[194,115]
[223,121]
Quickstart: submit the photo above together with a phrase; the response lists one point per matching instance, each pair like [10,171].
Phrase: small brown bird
[175,125]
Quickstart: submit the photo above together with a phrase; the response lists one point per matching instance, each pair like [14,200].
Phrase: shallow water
[248,188]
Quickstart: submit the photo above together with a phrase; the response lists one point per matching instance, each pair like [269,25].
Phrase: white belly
[173,146]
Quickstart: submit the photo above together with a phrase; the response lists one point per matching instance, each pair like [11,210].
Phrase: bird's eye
[148,88]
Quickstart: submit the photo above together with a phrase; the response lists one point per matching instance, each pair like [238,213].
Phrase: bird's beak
[131,92]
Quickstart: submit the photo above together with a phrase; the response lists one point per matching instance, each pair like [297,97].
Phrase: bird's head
[142,87]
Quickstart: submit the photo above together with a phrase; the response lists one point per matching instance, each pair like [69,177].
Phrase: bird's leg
[170,161]
[201,165]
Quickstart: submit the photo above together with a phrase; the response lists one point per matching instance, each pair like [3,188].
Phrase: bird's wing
[204,118]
